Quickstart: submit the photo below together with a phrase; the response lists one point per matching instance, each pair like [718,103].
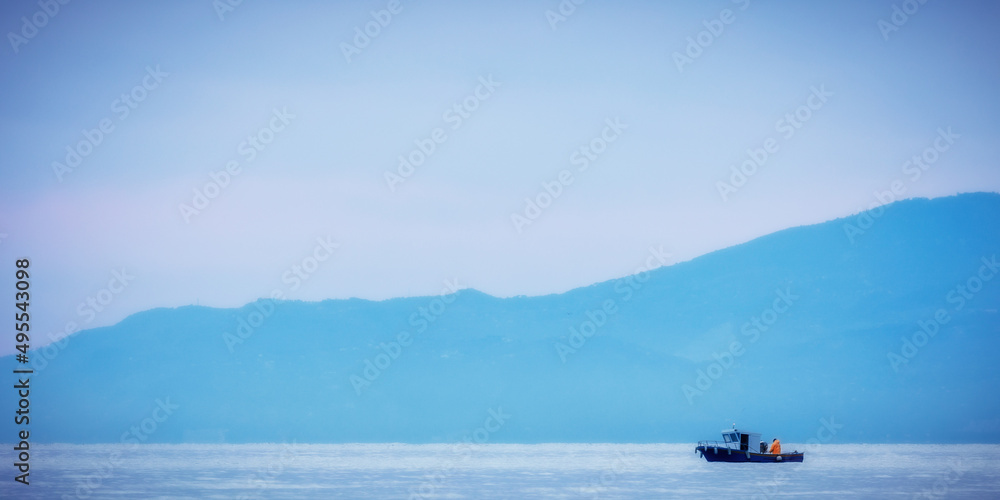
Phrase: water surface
[453,471]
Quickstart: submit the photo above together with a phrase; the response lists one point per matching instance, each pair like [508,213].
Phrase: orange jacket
[776,447]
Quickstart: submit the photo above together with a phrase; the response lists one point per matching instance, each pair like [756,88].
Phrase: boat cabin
[736,439]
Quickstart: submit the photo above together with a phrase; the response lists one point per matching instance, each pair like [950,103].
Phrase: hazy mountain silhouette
[840,302]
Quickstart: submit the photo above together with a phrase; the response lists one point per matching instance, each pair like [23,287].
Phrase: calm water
[499,471]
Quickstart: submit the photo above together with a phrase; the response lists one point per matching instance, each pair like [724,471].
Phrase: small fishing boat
[739,446]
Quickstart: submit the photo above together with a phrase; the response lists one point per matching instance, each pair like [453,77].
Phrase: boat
[739,446]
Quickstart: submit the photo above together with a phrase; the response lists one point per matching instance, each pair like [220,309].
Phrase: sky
[551,145]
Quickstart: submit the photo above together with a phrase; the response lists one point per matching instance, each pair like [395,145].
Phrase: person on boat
[775,447]
[763,447]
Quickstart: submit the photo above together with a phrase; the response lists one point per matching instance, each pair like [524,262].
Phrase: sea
[516,471]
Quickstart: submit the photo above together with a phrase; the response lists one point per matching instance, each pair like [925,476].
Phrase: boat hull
[722,454]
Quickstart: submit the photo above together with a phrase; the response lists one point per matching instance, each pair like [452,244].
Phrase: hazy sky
[180,87]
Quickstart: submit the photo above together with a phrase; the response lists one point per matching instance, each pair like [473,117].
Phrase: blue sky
[322,175]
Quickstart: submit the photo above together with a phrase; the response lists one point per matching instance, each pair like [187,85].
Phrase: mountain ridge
[642,375]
